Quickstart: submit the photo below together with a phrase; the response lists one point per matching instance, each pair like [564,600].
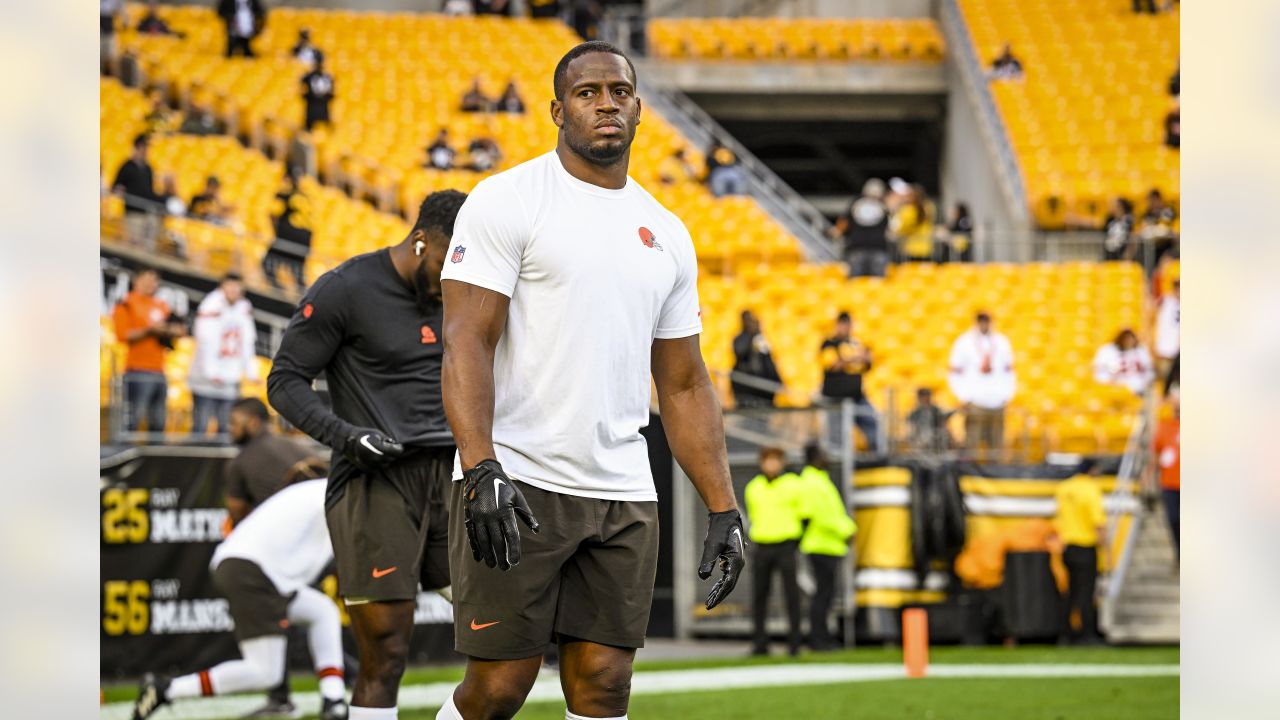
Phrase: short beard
[428,301]
[604,154]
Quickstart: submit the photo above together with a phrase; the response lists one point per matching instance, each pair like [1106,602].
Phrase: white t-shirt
[981,369]
[286,536]
[594,276]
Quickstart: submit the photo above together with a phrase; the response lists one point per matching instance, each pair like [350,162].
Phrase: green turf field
[1086,698]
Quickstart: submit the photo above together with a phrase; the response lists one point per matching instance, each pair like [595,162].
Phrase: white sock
[261,666]
[368,713]
[314,609]
[449,711]
[570,716]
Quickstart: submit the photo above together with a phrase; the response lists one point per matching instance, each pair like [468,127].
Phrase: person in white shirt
[265,568]
[225,337]
[981,377]
[1124,362]
[568,286]
[1168,331]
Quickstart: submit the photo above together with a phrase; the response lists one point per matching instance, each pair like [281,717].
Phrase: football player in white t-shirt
[567,287]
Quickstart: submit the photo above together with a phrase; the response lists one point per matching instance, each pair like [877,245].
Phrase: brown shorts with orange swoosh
[390,529]
[588,574]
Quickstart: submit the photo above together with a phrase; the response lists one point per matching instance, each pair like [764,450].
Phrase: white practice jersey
[286,536]
[594,276]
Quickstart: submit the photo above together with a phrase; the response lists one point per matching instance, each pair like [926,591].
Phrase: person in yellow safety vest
[774,509]
[826,540]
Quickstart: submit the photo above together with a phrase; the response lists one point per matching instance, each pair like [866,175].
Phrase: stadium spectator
[439,154]
[136,182]
[774,507]
[1125,362]
[152,24]
[160,119]
[844,360]
[864,231]
[143,322]
[510,101]
[955,240]
[108,11]
[208,205]
[1168,446]
[927,424]
[317,93]
[724,172]
[201,121]
[585,17]
[264,461]
[1117,231]
[1145,6]
[1157,227]
[911,225]
[490,7]
[244,20]
[458,8]
[475,101]
[225,338]
[753,361]
[544,8]
[304,50]
[981,376]
[1006,66]
[675,169]
[291,216]
[1168,330]
[1175,80]
[825,541]
[1173,128]
[483,154]
[1081,527]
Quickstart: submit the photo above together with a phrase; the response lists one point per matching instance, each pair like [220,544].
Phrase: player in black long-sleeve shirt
[372,326]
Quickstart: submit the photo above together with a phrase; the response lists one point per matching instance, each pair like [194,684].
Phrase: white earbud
[419,247]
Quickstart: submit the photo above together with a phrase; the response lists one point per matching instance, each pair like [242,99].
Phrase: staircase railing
[779,199]
[974,80]
[1132,465]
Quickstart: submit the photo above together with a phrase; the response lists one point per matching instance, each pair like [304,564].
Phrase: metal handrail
[778,198]
[994,131]
[1132,464]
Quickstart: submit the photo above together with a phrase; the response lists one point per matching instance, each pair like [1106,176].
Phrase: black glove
[370,449]
[725,544]
[491,502]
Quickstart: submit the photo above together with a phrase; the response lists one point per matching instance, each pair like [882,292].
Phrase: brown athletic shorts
[257,607]
[390,531]
[588,574]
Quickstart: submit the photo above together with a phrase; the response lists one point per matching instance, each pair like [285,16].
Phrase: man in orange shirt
[1169,460]
[142,322]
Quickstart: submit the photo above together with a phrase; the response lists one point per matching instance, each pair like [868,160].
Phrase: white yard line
[672,681]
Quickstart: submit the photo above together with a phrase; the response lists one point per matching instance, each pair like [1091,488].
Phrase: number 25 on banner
[125,608]
[124,516]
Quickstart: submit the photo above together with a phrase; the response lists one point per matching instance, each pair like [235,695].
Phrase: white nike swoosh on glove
[497,483]
[738,532]
[364,440]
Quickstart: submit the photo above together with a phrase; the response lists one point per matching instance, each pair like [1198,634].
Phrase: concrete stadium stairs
[1147,611]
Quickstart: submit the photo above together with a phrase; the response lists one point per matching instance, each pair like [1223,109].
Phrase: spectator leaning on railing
[291,216]
[844,361]
[144,323]
[136,182]
[225,337]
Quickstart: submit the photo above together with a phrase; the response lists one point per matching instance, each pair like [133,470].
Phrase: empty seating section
[1055,315]
[770,38]
[399,78]
[1087,121]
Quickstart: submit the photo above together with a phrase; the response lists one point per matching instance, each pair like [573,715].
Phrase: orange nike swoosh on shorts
[482,626]
[379,573]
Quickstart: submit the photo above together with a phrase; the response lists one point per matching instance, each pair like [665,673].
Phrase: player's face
[600,111]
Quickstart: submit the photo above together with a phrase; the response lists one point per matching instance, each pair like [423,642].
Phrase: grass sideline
[301,682]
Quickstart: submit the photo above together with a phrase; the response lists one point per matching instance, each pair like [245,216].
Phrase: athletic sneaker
[151,696]
[334,710]
[276,708]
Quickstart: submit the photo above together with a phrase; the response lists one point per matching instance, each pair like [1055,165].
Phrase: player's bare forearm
[474,319]
[692,420]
